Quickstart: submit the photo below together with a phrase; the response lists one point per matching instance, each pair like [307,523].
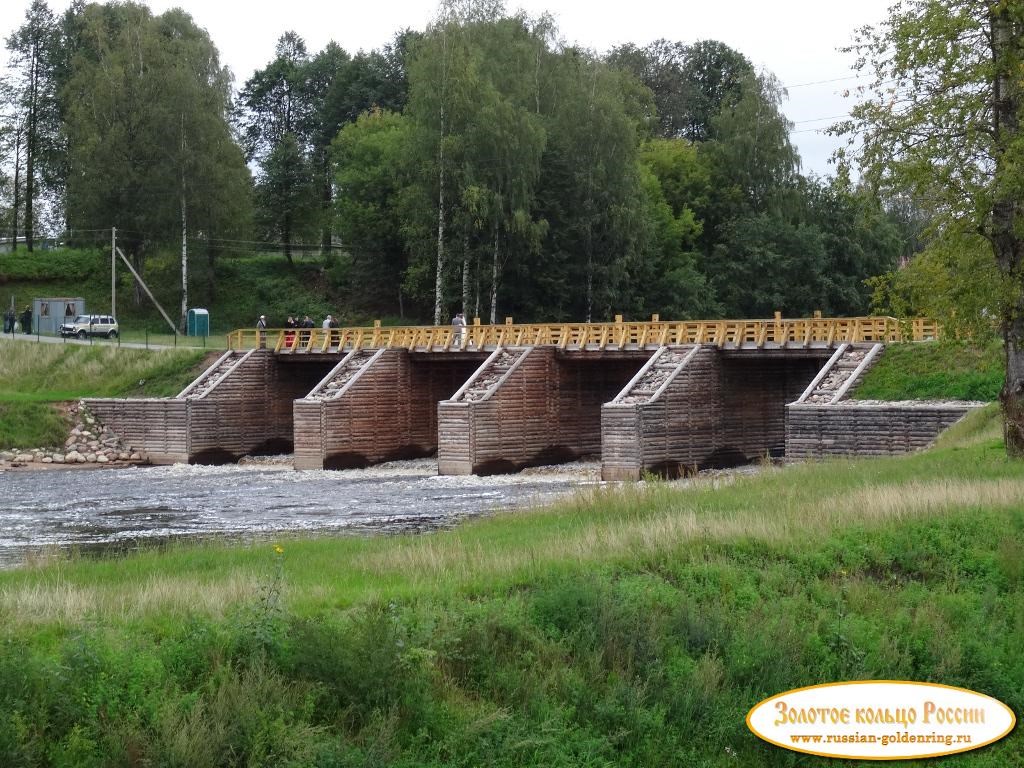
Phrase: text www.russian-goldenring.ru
[884,740]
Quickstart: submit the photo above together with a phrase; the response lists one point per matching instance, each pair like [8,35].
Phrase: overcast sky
[797,40]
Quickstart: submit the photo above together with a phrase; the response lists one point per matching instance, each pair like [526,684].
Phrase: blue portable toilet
[198,322]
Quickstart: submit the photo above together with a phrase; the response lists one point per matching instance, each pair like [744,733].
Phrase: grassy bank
[35,376]
[628,627]
[935,371]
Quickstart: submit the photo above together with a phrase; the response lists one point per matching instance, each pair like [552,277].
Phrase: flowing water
[124,509]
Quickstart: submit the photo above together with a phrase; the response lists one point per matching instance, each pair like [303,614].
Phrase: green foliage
[241,288]
[369,158]
[940,124]
[160,129]
[68,265]
[933,285]
[935,371]
[481,163]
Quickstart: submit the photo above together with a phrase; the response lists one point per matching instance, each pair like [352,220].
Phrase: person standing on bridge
[458,325]
[289,334]
[26,320]
[261,328]
[9,320]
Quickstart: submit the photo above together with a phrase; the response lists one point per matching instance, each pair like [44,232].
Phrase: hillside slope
[235,292]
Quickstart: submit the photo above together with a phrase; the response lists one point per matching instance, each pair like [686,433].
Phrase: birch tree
[35,102]
[940,122]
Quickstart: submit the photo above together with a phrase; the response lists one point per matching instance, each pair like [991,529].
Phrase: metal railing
[776,332]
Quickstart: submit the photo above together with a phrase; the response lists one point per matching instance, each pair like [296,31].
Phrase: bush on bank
[612,639]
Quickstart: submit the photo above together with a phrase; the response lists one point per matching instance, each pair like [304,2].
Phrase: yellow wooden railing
[617,335]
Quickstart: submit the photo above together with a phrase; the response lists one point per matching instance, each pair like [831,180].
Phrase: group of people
[11,321]
[293,325]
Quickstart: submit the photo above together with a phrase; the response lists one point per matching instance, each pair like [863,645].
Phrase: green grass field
[930,370]
[630,626]
[35,376]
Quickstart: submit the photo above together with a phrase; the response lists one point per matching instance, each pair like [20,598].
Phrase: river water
[129,508]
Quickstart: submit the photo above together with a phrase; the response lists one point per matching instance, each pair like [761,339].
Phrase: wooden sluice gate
[654,397]
[691,408]
[376,406]
[529,406]
[241,405]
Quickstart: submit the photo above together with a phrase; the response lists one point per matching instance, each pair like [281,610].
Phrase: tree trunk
[476,288]
[30,149]
[467,286]
[1006,215]
[139,262]
[439,277]
[286,235]
[17,190]
[494,277]
[326,205]
[184,262]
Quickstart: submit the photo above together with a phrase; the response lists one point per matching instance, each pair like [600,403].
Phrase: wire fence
[135,339]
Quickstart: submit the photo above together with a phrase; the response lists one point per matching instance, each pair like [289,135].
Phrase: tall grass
[27,424]
[62,372]
[632,626]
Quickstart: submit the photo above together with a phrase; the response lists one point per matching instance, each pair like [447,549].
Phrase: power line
[824,82]
[819,119]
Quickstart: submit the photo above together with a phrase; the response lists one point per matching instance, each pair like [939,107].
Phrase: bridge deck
[778,333]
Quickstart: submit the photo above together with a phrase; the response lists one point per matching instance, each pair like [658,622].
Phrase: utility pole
[113,272]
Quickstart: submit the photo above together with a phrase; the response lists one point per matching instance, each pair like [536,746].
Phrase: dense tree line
[481,164]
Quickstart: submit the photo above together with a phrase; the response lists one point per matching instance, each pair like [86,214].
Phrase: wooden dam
[663,397]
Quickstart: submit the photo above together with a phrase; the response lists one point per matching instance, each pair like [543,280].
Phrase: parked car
[84,326]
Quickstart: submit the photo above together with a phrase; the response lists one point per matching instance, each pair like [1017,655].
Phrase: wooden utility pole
[113,272]
[141,282]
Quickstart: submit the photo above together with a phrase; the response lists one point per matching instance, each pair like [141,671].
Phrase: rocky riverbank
[89,444]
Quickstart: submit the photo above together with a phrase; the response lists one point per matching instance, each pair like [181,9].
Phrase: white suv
[84,326]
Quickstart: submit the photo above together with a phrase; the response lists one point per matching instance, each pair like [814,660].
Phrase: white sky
[795,39]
